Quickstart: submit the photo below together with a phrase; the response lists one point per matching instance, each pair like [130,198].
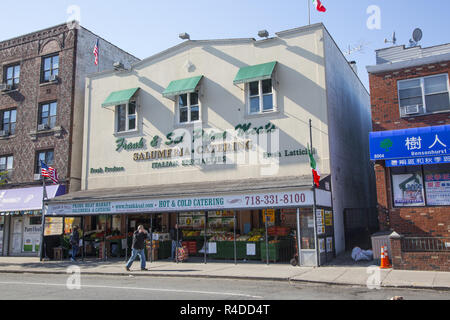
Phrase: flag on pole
[319,6]
[316,173]
[96,52]
[49,172]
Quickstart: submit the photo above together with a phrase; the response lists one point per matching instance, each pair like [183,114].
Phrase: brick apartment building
[411,148]
[42,85]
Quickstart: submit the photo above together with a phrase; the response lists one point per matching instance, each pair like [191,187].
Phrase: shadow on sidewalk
[345,260]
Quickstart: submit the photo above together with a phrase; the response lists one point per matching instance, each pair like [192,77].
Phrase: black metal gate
[360,224]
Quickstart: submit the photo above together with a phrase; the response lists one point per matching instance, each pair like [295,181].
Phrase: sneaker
[126,268]
[144,269]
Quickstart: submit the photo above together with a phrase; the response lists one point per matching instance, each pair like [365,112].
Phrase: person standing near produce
[138,248]
[176,235]
[74,242]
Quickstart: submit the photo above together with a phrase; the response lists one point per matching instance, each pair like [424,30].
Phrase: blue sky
[144,28]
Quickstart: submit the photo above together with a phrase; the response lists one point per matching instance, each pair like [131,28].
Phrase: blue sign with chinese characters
[417,161]
[418,143]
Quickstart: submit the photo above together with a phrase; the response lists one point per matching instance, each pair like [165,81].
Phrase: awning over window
[119,97]
[183,86]
[27,200]
[255,73]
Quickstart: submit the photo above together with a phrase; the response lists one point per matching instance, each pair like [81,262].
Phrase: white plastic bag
[358,254]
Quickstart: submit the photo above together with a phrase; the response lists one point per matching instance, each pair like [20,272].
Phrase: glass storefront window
[307,229]
[437,184]
[407,186]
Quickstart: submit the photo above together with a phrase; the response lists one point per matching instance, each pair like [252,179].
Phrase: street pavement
[94,287]
[350,274]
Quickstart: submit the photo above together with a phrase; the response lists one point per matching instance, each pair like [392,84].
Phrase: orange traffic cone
[385,264]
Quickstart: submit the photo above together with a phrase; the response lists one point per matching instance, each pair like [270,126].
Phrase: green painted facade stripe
[182,86]
[119,97]
[255,73]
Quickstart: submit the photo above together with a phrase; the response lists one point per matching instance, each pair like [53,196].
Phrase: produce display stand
[242,250]
[278,250]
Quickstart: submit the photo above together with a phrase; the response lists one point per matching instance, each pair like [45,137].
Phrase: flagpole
[41,244]
[309,12]
[314,197]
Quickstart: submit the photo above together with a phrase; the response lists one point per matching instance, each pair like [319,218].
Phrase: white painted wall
[353,182]
[301,96]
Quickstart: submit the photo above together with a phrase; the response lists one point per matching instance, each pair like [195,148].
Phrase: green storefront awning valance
[255,73]
[183,86]
[119,97]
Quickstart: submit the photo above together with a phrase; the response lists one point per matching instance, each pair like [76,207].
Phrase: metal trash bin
[380,239]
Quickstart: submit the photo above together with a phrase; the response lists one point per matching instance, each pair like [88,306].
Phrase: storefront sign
[205,203]
[417,161]
[408,190]
[53,226]
[31,236]
[410,143]
[438,189]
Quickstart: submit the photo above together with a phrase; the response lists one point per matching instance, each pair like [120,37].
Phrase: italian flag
[319,6]
[316,173]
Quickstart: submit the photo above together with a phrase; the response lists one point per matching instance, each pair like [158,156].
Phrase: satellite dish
[417,35]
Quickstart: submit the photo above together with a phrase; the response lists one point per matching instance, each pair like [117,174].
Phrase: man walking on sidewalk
[74,242]
[138,248]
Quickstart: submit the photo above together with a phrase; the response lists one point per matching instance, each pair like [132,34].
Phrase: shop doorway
[16,240]
[2,233]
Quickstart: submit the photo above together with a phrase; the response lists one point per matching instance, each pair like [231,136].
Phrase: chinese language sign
[432,143]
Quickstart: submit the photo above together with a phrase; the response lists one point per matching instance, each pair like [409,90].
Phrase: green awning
[183,86]
[255,73]
[119,97]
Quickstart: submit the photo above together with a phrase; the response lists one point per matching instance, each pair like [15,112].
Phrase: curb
[136,274]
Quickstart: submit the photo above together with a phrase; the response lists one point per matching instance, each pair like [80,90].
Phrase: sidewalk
[336,274]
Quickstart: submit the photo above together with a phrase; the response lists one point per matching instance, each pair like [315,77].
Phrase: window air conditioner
[415,109]
[42,127]
[37,177]
[4,133]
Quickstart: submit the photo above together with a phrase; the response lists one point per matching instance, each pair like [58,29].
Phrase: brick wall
[28,51]
[385,102]
[426,221]
[426,261]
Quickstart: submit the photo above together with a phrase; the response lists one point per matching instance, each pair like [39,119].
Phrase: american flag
[49,172]
[96,53]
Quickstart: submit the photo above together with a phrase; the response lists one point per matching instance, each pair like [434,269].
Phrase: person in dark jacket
[74,242]
[138,247]
[177,236]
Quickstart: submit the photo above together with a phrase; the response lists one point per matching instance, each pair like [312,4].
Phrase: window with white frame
[260,96]
[6,168]
[6,163]
[188,107]
[126,117]
[424,95]
[12,76]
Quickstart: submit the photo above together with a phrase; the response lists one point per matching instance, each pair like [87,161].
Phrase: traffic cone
[385,264]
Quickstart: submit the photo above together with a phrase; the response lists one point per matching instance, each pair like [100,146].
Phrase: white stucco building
[143,151]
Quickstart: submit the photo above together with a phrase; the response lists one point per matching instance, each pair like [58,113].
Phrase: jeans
[134,253]
[174,247]
[74,252]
